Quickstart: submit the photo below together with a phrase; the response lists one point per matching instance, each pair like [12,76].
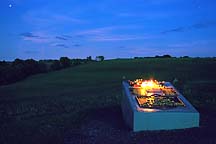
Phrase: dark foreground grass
[82,104]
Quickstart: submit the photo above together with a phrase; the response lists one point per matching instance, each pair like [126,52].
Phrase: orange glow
[148,84]
[147,110]
[153,94]
[146,87]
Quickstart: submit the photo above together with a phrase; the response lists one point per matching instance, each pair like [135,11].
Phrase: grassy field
[55,107]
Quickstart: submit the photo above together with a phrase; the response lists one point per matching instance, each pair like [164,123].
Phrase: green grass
[45,105]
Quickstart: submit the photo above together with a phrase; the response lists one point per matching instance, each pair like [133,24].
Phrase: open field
[82,104]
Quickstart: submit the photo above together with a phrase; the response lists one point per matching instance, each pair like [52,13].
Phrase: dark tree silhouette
[65,62]
[89,58]
[100,58]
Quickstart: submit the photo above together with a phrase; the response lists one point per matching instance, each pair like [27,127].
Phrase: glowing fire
[147,87]
[149,84]
[153,94]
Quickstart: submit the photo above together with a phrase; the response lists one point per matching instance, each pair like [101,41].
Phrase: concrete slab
[139,119]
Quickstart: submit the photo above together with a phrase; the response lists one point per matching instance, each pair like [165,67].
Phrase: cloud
[179,29]
[65,45]
[202,25]
[108,29]
[29,34]
[44,18]
[77,45]
[67,36]
[66,18]
[122,47]
[37,38]
[97,31]
[60,38]
[61,45]
[149,15]
[109,34]
[118,37]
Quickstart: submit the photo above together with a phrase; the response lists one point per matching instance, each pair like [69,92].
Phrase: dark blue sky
[42,29]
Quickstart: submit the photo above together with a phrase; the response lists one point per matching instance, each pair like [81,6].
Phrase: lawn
[82,104]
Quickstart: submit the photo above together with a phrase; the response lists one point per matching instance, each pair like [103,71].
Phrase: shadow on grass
[109,116]
[106,125]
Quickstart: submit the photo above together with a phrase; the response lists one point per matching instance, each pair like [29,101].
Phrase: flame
[146,87]
[149,84]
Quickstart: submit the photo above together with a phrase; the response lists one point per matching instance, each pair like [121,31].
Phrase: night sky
[49,29]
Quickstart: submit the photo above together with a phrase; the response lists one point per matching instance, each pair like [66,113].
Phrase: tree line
[162,56]
[19,69]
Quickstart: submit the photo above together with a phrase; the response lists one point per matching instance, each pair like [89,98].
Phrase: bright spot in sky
[10,5]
